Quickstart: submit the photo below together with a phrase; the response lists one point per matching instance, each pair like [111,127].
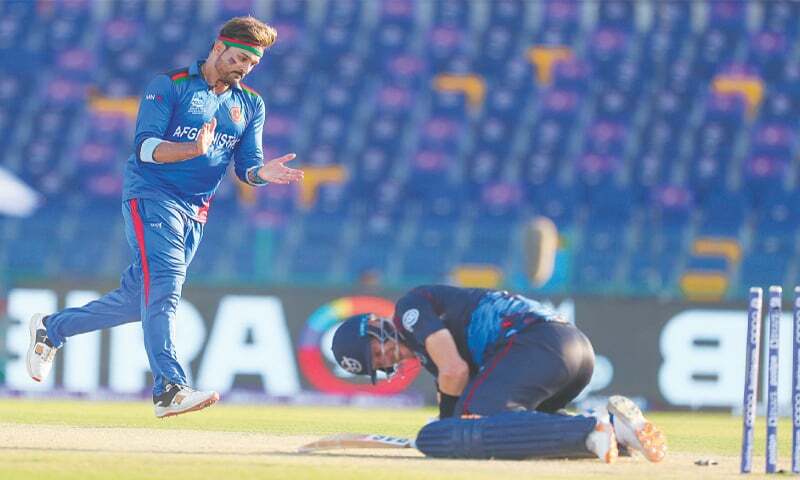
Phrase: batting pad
[512,435]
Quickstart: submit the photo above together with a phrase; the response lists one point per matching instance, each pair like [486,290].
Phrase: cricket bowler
[192,124]
[505,368]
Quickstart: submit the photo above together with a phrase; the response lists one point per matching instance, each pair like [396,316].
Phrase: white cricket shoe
[634,431]
[41,351]
[603,442]
[178,399]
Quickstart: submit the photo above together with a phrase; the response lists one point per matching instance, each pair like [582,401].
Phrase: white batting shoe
[41,351]
[178,399]
[603,442]
[634,431]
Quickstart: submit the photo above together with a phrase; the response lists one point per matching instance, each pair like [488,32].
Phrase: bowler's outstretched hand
[274,171]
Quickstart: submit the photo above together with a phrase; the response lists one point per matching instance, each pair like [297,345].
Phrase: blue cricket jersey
[474,316]
[174,107]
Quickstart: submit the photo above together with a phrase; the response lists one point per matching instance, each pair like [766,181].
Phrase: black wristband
[447,405]
[253,178]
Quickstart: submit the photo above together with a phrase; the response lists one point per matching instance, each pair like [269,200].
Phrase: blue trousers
[541,368]
[163,241]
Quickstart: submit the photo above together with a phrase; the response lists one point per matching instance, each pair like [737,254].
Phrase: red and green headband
[250,47]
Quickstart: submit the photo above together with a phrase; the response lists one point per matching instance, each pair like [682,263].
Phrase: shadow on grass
[209,452]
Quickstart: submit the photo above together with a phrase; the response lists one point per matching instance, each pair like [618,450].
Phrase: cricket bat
[356,440]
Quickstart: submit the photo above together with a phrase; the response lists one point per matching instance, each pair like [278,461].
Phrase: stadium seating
[640,128]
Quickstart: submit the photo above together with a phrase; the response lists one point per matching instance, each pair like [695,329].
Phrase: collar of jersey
[194,70]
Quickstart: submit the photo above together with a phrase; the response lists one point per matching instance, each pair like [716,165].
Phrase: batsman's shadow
[354,455]
[254,453]
[387,457]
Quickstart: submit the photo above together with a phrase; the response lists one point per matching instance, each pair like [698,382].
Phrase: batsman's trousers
[163,241]
[542,368]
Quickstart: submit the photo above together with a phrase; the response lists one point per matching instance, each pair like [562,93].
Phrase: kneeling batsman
[505,367]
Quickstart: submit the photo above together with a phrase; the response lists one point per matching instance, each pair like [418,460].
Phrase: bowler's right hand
[205,137]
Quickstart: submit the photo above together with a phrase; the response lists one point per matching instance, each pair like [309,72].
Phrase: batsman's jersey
[173,108]
[475,317]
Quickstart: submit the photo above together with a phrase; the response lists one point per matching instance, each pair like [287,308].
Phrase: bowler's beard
[228,77]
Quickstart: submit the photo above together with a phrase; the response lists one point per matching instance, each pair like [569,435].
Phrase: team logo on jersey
[410,319]
[351,365]
[236,113]
[197,104]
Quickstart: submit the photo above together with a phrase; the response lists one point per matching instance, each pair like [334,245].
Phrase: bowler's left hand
[274,171]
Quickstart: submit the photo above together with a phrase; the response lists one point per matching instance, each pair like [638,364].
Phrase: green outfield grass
[120,440]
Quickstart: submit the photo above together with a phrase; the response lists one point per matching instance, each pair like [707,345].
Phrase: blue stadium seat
[498,45]
[596,272]
[763,173]
[768,51]
[715,46]
[561,106]
[439,135]
[606,48]
[776,212]
[290,11]
[518,76]
[555,201]
[572,74]
[451,13]
[763,269]
[371,169]
[781,16]
[606,138]
[728,15]
[538,168]
[446,43]
[390,39]
[425,265]
[593,169]
[669,210]
[652,275]
[345,13]
[561,22]
[724,213]
[385,132]
[617,14]
[335,40]
[483,166]
[609,204]
[505,103]
[495,135]
[549,137]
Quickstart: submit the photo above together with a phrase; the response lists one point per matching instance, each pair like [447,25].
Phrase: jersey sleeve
[417,316]
[155,111]
[249,153]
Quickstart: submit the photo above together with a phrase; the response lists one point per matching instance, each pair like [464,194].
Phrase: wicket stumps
[775,298]
[752,378]
[796,382]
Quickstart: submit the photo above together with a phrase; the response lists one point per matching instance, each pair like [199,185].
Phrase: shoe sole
[612,453]
[204,404]
[541,245]
[652,443]
[34,322]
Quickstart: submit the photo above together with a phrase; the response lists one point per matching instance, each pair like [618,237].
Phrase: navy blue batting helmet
[351,344]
